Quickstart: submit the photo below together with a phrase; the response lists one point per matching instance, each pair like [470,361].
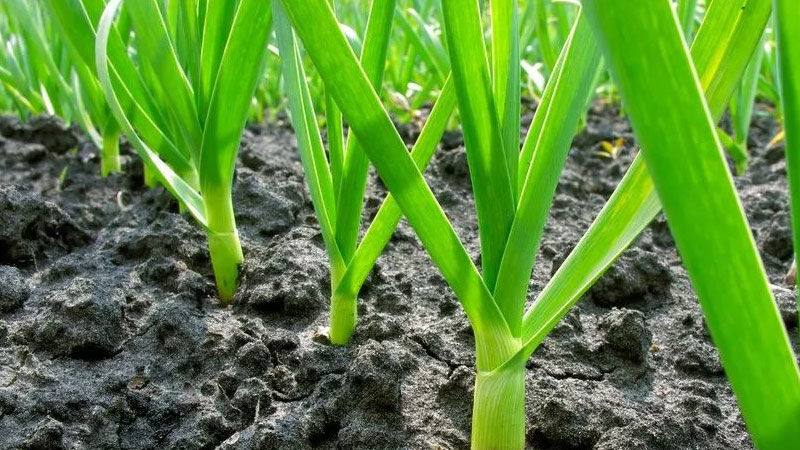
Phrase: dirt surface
[111,338]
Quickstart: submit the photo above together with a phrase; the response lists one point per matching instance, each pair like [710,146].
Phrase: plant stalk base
[226,258]
[498,413]
[344,314]
[109,157]
[149,176]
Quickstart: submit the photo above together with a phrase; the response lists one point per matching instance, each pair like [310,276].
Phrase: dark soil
[111,337]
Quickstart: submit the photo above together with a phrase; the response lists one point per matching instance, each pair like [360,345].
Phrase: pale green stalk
[196,123]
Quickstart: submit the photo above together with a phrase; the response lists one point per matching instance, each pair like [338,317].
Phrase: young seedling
[93,112]
[199,62]
[610,149]
[741,111]
[337,183]
[420,43]
[513,189]
[44,70]
[32,70]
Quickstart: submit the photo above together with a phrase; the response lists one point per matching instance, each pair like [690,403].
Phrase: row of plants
[39,74]
[180,80]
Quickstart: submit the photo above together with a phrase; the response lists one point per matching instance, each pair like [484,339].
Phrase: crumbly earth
[111,338]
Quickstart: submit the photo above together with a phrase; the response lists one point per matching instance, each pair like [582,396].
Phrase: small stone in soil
[33,229]
[791,277]
[787,305]
[698,357]
[636,274]
[84,321]
[626,332]
[13,289]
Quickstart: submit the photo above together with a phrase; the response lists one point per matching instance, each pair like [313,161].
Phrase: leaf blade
[488,165]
